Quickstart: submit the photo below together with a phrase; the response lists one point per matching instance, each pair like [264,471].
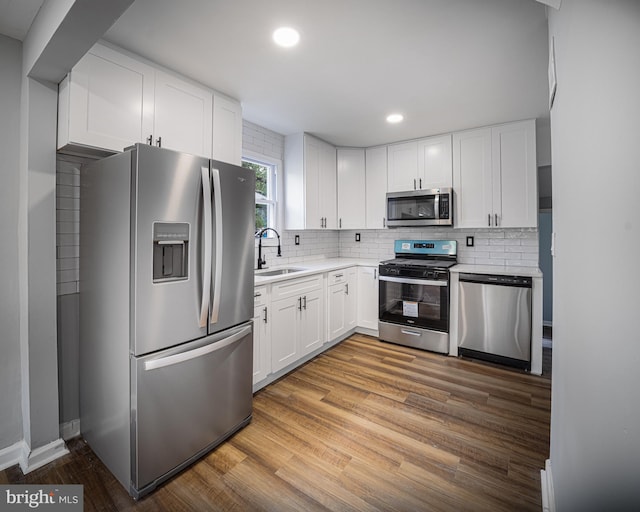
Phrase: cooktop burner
[433,254]
[413,262]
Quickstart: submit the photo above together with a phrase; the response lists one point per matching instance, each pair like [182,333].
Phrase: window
[266,192]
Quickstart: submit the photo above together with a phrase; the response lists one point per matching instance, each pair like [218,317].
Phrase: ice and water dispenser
[170,251]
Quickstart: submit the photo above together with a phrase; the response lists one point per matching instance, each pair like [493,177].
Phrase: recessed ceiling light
[394,118]
[286,37]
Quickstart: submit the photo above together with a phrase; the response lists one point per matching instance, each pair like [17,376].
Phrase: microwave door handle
[217,278]
[206,270]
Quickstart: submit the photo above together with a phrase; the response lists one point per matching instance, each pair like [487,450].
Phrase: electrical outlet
[297,240]
[357,237]
[469,241]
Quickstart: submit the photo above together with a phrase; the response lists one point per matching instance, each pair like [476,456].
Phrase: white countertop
[313,267]
[497,270]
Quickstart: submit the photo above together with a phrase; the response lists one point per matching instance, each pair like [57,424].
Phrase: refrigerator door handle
[206,274]
[196,352]
[217,278]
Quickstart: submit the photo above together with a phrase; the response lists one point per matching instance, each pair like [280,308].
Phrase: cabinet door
[376,187]
[227,130]
[351,299]
[472,179]
[328,186]
[435,162]
[515,194]
[285,331]
[368,297]
[109,101]
[351,188]
[312,322]
[311,178]
[336,311]
[402,171]
[261,343]
[182,115]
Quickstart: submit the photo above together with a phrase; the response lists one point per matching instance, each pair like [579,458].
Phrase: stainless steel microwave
[431,207]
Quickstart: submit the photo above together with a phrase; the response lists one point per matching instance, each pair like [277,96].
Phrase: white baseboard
[19,453]
[369,332]
[546,484]
[70,429]
[34,459]
[11,455]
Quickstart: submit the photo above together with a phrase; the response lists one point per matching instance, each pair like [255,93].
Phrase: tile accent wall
[508,247]
[68,222]
[260,141]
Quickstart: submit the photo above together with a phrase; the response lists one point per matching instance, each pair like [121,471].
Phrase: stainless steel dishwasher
[495,319]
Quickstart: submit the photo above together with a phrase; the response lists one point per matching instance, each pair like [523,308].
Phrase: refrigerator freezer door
[186,401]
[233,191]
[167,263]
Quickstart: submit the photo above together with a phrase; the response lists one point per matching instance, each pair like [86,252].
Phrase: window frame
[275,187]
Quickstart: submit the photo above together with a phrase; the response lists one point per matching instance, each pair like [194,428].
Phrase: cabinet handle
[338,275]
[346,291]
[414,184]
[420,183]
[341,222]
[159,142]
[305,302]
[257,294]
[489,219]
[496,224]
[264,319]
[375,273]
[384,222]
[150,140]
[299,303]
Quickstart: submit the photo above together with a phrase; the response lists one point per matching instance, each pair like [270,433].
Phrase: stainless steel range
[414,294]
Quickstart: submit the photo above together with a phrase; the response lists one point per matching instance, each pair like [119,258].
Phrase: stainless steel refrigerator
[166,298]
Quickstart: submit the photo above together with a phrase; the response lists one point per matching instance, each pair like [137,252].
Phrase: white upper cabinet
[495,182]
[435,167]
[182,115]
[402,170]
[351,188]
[514,165]
[472,178]
[376,187]
[310,183]
[227,129]
[111,100]
[421,164]
[106,101]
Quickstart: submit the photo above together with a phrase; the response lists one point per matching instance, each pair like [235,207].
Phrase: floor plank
[365,426]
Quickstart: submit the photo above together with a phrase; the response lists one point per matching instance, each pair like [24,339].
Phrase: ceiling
[445,64]
[16,16]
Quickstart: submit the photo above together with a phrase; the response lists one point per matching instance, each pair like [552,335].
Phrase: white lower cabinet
[368,298]
[341,302]
[261,334]
[296,317]
[297,327]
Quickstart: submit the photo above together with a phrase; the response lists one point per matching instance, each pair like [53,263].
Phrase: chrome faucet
[261,261]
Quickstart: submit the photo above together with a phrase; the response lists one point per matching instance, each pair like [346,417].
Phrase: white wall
[595,413]
[10,381]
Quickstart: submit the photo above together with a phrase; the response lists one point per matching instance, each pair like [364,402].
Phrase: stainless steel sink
[278,271]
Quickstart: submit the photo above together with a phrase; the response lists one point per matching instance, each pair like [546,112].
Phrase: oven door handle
[423,282]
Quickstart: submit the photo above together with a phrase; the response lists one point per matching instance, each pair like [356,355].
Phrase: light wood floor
[364,426]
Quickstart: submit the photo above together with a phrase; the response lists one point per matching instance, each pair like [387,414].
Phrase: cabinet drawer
[260,296]
[337,276]
[295,287]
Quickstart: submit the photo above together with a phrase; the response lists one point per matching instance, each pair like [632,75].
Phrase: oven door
[414,302]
